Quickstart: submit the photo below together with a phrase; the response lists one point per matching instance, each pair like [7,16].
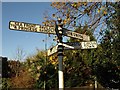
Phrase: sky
[30,12]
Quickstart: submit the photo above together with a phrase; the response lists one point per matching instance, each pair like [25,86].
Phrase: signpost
[59,31]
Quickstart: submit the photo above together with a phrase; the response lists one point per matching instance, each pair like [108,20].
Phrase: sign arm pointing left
[29,27]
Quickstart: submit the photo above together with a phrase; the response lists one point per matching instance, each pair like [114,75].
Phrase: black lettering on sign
[42,28]
[52,29]
[21,27]
[80,36]
[17,23]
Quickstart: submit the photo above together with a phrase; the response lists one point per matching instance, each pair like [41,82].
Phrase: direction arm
[72,34]
[29,27]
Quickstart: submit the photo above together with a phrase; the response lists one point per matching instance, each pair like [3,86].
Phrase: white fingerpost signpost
[58,30]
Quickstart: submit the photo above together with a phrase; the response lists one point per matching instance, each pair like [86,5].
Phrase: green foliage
[48,76]
[13,68]
[5,83]
[77,64]
[77,70]
[108,75]
[18,74]
[107,70]
[42,71]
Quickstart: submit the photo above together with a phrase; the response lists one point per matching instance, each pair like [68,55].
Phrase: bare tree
[19,54]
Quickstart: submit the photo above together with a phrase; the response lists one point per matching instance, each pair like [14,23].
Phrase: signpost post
[59,33]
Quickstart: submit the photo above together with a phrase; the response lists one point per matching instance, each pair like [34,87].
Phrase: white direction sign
[52,50]
[82,45]
[73,45]
[29,27]
[69,33]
